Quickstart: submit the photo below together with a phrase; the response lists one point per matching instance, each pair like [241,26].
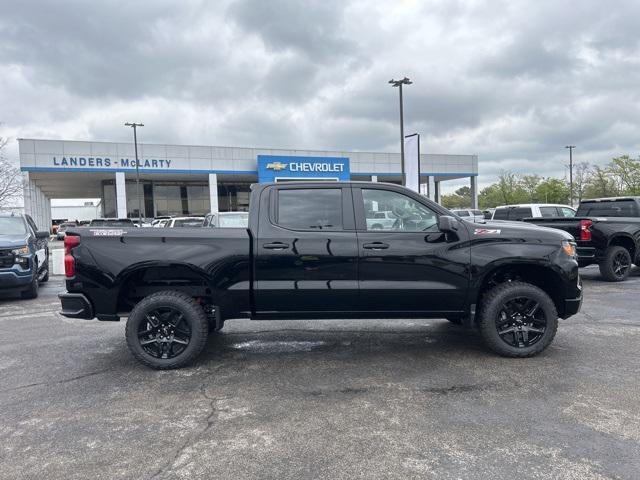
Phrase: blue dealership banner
[272,168]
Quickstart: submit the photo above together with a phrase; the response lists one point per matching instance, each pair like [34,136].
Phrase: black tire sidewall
[492,304]
[606,267]
[32,290]
[193,315]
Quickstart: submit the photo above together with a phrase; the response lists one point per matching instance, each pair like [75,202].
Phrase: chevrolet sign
[273,168]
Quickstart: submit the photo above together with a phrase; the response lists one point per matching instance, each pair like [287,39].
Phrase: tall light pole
[570,147]
[135,146]
[399,83]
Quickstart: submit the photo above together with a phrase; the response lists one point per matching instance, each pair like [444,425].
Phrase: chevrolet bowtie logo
[277,166]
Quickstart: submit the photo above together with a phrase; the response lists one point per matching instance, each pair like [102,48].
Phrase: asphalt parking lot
[329,399]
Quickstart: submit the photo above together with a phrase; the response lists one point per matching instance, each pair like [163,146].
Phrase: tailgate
[569,225]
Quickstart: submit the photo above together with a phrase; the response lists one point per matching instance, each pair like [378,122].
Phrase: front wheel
[616,265]
[518,319]
[32,290]
[167,330]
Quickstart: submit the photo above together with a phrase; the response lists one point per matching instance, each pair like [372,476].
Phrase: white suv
[472,215]
[532,210]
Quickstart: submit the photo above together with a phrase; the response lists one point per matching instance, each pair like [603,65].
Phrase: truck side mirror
[447,224]
[42,234]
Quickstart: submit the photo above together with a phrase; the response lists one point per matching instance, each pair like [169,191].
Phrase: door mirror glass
[42,234]
[447,224]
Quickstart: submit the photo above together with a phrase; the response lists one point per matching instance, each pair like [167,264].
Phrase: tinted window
[305,209]
[519,213]
[549,211]
[501,214]
[461,213]
[625,208]
[476,212]
[409,215]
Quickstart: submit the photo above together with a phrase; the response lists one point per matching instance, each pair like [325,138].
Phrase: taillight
[585,230]
[70,242]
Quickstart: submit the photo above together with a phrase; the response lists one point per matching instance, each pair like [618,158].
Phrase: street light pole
[135,146]
[399,83]
[570,147]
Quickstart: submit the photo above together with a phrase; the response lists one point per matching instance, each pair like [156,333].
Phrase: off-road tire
[492,304]
[193,314]
[608,265]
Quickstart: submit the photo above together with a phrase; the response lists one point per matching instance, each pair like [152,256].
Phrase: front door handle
[276,246]
[375,246]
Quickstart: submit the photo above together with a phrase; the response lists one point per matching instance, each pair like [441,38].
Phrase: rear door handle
[375,246]
[276,246]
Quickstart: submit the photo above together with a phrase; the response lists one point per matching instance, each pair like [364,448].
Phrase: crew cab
[607,231]
[308,252]
[532,210]
[24,254]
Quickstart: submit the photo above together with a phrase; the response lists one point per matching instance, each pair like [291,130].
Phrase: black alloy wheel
[164,333]
[621,264]
[517,319]
[167,330]
[521,322]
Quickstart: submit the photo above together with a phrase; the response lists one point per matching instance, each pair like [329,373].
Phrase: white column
[213,192]
[374,178]
[121,195]
[474,191]
[431,189]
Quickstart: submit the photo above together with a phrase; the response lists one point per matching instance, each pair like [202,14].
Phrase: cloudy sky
[512,81]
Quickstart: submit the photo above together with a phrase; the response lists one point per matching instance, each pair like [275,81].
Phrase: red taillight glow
[70,242]
[585,230]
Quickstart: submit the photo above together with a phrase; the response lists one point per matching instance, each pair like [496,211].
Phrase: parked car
[533,210]
[158,222]
[111,222]
[309,253]
[226,220]
[24,254]
[473,215]
[380,220]
[607,231]
[179,222]
[62,228]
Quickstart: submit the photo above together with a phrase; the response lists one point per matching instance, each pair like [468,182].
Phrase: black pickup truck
[308,253]
[607,231]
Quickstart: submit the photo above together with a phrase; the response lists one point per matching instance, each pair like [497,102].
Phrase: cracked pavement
[322,399]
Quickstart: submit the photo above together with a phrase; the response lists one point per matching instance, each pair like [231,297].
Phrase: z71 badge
[487,231]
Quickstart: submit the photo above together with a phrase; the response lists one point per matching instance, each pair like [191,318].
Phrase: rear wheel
[518,319]
[167,330]
[616,265]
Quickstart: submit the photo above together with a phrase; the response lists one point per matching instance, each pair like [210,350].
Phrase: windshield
[12,226]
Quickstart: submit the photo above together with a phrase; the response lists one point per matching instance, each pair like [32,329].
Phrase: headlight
[21,251]
[569,248]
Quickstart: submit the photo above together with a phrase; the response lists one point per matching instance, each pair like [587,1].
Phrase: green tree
[529,184]
[626,172]
[600,184]
[10,179]
[490,197]
[510,188]
[553,190]
[461,198]
[581,173]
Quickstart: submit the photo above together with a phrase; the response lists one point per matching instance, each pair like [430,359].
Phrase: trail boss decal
[487,231]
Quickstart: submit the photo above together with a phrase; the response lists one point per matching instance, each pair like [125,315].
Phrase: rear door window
[519,213]
[501,214]
[310,209]
[549,212]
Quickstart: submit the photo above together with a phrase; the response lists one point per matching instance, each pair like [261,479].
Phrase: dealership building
[194,180]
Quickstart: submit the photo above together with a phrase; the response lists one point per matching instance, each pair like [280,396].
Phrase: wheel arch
[542,276]
[625,241]
[144,279]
